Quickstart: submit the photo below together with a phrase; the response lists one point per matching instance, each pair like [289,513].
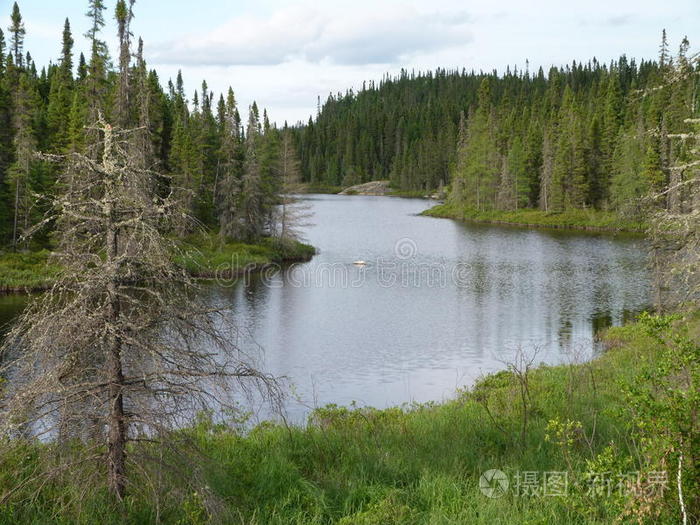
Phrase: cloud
[620,20]
[357,36]
[613,20]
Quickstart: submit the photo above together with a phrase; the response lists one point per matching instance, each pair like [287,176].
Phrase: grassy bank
[412,194]
[26,271]
[202,255]
[207,256]
[422,464]
[594,220]
[322,188]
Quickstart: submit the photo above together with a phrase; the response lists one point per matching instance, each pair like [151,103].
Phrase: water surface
[437,304]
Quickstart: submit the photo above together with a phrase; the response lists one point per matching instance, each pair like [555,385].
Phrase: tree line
[228,174]
[585,135]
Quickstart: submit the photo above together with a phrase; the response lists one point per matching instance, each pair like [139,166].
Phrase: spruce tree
[60,97]
[17,33]
[227,190]
[123,16]
[252,213]
[24,115]
[96,79]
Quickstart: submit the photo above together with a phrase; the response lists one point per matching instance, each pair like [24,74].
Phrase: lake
[437,303]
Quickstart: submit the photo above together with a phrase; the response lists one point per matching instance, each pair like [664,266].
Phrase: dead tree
[292,214]
[119,350]
[674,229]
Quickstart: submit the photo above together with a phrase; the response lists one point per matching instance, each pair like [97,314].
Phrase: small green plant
[194,511]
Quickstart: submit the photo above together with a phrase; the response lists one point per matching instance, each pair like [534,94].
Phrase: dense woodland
[227,174]
[584,135]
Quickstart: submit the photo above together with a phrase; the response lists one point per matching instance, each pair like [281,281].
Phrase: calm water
[437,304]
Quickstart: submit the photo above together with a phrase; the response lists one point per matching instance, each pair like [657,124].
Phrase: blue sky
[285,54]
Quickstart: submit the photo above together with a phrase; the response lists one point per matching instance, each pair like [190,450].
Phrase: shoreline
[573,220]
[31,272]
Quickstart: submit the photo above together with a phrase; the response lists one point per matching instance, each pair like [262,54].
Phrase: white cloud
[349,35]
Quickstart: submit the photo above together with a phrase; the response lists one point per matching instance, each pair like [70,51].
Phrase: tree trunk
[116,438]
[14,229]
[674,194]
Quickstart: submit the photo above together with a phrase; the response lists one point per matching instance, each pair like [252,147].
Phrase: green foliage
[197,149]
[572,137]
[26,271]
[206,255]
[589,219]
[420,464]
[202,255]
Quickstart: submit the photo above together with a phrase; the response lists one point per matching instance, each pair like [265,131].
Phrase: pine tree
[229,170]
[292,214]
[664,56]
[97,67]
[270,169]
[144,148]
[252,213]
[67,50]
[628,188]
[479,154]
[60,97]
[6,147]
[547,191]
[123,16]
[17,33]
[26,101]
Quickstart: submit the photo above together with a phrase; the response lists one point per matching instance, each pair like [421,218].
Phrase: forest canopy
[585,135]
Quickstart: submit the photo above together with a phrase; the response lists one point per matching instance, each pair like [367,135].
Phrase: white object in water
[360,263]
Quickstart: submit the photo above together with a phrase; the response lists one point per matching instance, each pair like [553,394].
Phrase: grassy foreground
[610,417]
[594,220]
[202,255]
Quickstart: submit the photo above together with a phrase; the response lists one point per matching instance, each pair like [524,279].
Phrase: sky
[285,54]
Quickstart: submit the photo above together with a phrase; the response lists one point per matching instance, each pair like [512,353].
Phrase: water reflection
[415,327]
[438,304]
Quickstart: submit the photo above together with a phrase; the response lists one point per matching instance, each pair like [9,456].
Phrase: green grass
[202,255]
[413,194]
[206,256]
[323,188]
[411,465]
[570,219]
[26,271]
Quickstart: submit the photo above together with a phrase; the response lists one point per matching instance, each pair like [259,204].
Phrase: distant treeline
[228,177]
[584,135]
